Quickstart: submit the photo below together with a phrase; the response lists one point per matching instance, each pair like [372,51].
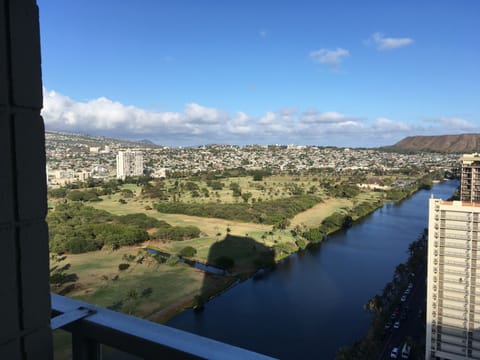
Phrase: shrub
[300,243]
[58,193]
[172,260]
[123,266]
[127,193]
[178,233]
[188,251]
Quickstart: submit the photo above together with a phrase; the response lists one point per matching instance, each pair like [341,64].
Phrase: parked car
[403,298]
[406,351]
[394,353]
[396,325]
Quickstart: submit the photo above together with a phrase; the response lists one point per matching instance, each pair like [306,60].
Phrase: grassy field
[271,187]
[313,217]
[149,290]
[143,289]
[158,290]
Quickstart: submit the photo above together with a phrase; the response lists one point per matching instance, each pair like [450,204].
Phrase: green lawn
[102,283]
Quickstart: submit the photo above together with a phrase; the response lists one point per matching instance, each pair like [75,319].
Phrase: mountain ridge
[461,143]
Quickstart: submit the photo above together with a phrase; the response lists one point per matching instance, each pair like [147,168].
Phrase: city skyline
[186,73]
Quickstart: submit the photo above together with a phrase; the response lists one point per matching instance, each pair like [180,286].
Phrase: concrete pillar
[24,276]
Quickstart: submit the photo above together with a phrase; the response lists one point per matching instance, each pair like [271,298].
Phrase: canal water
[312,303]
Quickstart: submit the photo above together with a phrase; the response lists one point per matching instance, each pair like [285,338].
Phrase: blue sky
[344,73]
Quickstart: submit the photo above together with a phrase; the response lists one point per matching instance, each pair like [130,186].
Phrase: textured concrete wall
[24,276]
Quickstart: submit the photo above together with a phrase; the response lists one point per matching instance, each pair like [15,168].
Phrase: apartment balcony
[450,290]
[457,236]
[454,307]
[463,218]
[464,245]
[447,351]
[449,331]
[460,255]
[453,315]
[460,323]
[461,264]
[451,271]
[92,326]
[452,298]
[456,226]
[454,340]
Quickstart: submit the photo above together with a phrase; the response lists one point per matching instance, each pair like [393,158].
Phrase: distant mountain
[463,143]
[146,141]
[94,140]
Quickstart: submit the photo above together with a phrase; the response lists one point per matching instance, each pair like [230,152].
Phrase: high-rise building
[129,163]
[470,185]
[453,280]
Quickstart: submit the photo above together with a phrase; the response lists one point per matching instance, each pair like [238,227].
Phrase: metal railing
[92,326]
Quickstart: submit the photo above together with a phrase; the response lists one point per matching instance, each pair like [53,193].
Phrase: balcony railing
[92,326]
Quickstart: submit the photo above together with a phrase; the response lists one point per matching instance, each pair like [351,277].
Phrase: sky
[328,73]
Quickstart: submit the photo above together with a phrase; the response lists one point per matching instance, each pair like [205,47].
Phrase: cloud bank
[197,124]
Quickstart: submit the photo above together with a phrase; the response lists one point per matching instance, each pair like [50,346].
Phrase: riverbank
[359,212]
[345,218]
[401,301]
[313,303]
[139,288]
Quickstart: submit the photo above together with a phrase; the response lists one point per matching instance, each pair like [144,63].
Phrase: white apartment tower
[453,284]
[470,183]
[129,163]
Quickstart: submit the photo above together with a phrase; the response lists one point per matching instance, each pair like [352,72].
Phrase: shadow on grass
[239,257]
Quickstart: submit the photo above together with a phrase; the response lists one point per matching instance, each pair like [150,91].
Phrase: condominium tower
[470,185]
[129,163]
[453,291]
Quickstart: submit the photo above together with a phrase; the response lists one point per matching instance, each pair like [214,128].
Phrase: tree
[188,251]
[57,193]
[59,276]
[246,196]
[258,176]
[282,224]
[401,272]
[127,193]
[375,304]
[123,266]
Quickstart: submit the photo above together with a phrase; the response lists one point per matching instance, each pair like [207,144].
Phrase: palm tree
[400,272]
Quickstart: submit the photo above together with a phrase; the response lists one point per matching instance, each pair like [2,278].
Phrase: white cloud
[388,43]
[197,124]
[241,125]
[199,114]
[329,57]
[455,123]
[323,117]
[387,125]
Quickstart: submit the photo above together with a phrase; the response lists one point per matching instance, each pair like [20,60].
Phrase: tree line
[267,212]
[77,228]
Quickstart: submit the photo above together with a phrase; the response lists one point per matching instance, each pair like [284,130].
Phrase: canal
[312,303]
